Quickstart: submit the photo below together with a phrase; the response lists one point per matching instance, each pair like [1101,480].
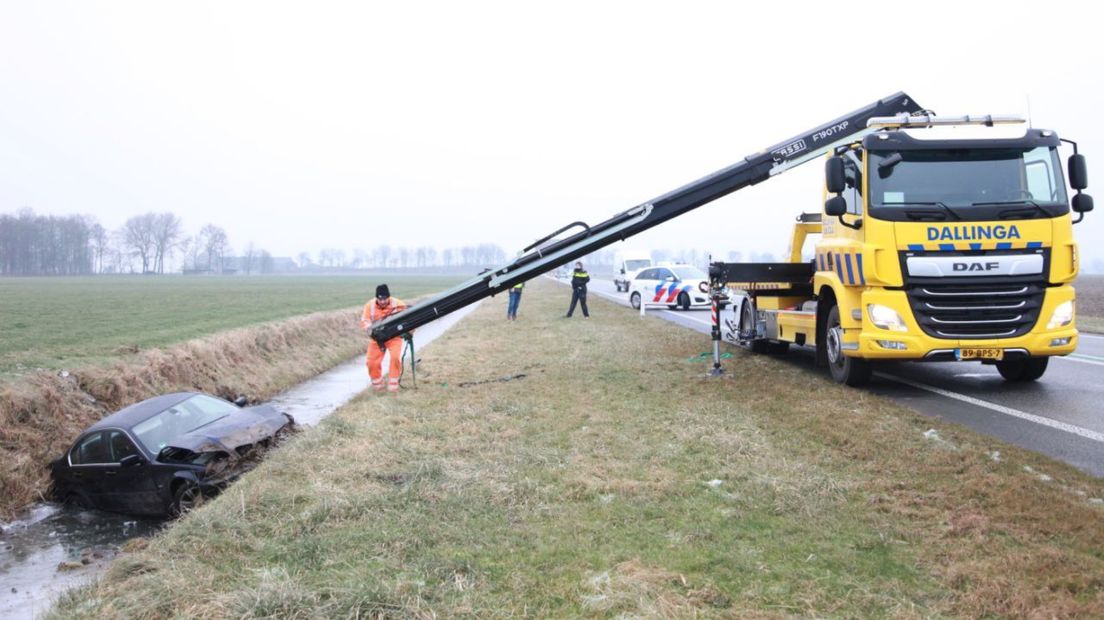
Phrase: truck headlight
[885,317]
[1063,315]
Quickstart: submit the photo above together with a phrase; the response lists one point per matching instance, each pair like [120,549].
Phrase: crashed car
[164,455]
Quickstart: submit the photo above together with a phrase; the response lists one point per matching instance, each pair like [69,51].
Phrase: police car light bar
[902,121]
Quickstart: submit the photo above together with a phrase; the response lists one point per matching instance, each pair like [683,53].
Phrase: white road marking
[1016,413]
[1074,358]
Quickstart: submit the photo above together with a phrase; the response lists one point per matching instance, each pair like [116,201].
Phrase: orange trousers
[375,361]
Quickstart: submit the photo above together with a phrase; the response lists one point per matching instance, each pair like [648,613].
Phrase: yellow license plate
[979,354]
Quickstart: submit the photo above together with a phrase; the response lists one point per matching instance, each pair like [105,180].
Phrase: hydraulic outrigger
[547,253]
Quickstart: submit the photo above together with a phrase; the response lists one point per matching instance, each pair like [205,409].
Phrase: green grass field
[1090,303]
[64,322]
[557,468]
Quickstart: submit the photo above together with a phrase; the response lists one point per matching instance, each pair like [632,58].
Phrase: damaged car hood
[240,428]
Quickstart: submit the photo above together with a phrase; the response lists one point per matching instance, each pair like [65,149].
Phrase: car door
[665,279]
[644,283]
[131,488]
[88,461]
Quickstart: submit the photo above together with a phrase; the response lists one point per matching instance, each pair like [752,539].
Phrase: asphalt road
[1061,415]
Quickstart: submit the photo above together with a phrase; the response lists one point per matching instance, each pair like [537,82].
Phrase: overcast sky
[307,125]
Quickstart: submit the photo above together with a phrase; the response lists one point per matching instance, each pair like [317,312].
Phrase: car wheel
[684,301]
[850,371]
[186,498]
[1023,371]
[76,500]
[634,301]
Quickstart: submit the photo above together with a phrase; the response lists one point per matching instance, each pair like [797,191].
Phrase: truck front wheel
[847,370]
[1023,371]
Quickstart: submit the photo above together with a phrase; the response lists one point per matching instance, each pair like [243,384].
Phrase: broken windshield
[180,419]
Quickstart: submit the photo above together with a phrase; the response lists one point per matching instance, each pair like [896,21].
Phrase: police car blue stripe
[947,247]
[850,273]
[1004,245]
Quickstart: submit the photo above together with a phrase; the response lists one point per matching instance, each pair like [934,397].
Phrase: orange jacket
[373,313]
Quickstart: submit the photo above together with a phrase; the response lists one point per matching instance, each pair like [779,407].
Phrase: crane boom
[549,252]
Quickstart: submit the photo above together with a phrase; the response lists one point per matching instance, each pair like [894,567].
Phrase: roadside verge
[553,467]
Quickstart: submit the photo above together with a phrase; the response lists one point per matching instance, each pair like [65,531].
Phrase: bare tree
[138,237]
[304,260]
[167,231]
[216,244]
[383,255]
[248,256]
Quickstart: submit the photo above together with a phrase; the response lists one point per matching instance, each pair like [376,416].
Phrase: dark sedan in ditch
[164,455]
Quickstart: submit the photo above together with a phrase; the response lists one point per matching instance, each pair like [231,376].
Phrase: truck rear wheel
[850,371]
[747,326]
[1023,371]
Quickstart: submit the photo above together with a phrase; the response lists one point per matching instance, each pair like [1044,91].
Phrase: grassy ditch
[554,467]
[56,323]
[41,412]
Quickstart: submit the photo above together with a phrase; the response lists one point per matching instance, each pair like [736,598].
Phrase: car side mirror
[670,278]
[241,401]
[622,271]
[833,174]
[132,460]
[1078,172]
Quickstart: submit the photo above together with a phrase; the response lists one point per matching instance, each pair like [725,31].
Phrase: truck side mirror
[833,174]
[835,206]
[1082,203]
[1078,173]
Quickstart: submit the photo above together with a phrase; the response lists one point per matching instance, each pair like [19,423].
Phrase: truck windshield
[967,184]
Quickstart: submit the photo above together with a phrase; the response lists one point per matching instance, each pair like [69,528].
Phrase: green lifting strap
[409,338]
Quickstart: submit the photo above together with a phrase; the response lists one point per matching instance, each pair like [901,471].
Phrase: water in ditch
[52,548]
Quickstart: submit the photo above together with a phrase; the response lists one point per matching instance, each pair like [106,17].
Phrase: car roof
[129,416]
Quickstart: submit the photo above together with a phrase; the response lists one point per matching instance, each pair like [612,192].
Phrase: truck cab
[934,245]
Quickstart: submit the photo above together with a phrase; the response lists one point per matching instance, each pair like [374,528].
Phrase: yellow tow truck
[940,239]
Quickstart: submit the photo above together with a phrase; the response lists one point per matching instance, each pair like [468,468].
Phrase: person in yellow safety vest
[579,281]
[515,301]
[375,311]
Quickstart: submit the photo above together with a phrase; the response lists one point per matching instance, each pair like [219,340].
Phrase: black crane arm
[547,254]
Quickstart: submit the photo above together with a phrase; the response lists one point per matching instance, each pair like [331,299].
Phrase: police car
[677,286]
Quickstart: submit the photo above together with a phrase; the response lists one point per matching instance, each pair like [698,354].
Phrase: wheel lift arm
[547,253]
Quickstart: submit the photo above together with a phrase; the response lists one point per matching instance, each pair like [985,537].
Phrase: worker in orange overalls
[375,311]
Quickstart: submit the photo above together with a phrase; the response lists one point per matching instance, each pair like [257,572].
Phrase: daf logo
[976,266]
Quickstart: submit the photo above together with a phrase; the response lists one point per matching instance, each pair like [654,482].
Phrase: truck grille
[976,311]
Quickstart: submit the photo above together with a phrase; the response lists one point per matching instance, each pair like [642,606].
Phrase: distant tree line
[32,245]
[47,244]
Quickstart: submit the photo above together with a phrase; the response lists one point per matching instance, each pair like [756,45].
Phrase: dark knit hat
[382,291]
